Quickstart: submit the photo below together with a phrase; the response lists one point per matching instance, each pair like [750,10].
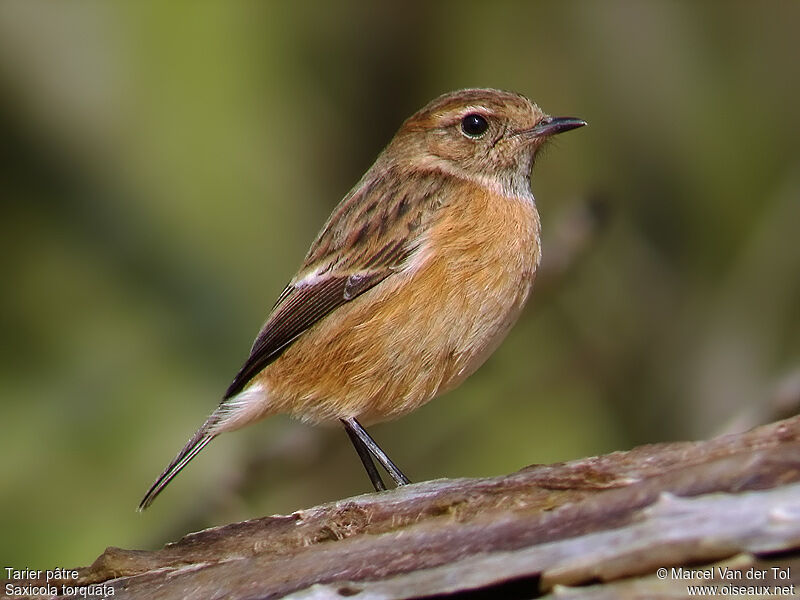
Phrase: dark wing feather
[297,313]
[368,236]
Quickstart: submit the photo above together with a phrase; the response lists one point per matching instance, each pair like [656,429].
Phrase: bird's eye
[474,125]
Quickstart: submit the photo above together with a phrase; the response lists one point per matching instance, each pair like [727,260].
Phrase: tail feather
[233,413]
[190,450]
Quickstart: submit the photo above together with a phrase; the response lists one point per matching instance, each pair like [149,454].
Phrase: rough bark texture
[598,527]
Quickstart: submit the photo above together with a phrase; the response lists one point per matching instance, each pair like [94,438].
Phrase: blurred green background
[166,165]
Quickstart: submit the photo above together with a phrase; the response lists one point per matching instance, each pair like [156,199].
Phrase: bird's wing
[368,237]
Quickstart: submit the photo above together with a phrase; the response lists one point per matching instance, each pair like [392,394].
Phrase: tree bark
[598,527]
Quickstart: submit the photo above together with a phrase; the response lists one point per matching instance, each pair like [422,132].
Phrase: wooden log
[598,527]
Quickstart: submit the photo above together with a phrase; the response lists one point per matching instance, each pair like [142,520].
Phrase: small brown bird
[413,282]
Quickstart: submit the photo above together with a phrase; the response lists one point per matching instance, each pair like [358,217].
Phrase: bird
[414,280]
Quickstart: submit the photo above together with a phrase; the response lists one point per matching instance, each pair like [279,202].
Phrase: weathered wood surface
[593,528]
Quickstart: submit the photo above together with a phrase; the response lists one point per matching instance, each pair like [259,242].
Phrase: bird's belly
[474,354]
[418,334]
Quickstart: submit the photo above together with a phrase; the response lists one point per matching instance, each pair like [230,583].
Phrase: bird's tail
[235,412]
[199,440]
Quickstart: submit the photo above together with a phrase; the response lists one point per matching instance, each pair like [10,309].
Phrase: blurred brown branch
[605,523]
[574,231]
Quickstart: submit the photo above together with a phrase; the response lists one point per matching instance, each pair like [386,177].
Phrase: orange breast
[423,330]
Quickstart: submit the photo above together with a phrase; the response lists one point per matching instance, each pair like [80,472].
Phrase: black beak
[553,125]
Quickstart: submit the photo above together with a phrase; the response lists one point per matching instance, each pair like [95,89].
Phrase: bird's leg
[364,442]
[366,458]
